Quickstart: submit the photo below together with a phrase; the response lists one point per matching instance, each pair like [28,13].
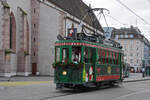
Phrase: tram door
[89,60]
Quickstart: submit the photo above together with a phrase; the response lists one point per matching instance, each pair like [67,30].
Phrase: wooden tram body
[84,63]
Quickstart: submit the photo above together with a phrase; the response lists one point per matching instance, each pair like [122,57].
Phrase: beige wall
[133,50]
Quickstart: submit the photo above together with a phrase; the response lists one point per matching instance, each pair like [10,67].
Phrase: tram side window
[99,56]
[65,55]
[110,57]
[57,54]
[114,58]
[103,56]
[76,54]
[86,55]
[91,54]
[117,60]
[107,57]
[122,58]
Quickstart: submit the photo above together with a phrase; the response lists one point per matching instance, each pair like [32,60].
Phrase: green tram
[80,63]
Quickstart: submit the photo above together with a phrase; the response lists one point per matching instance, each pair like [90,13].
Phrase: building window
[34,39]
[34,25]
[131,54]
[121,36]
[34,10]
[34,53]
[131,47]
[116,37]
[137,61]
[137,54]
[131,36]
[12,32]
[131,60]
[126,36]
[125,47]
[137,48]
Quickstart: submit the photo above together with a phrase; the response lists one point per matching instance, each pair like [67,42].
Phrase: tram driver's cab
[76,54]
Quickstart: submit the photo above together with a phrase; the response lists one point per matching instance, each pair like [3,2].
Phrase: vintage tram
[86,63]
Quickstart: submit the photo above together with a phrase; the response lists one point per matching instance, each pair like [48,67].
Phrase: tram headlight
[64,73]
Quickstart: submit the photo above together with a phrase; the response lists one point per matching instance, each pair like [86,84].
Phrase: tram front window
[76,54]
[65,55]
[57,54]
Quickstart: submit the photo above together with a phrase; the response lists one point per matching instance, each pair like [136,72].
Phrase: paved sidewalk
[28,78]
[133,77]
[136,77]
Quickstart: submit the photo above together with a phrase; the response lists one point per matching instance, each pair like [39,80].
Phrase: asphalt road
[46,91]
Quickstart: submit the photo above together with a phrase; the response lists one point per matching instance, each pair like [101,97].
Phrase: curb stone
[136,80]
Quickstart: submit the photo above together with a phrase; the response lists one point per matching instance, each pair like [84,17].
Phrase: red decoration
[98,70]
[91,73]
[117,70]
[85,44]
[102,78]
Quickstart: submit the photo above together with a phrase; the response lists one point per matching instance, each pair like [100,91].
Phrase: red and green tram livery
[84,63]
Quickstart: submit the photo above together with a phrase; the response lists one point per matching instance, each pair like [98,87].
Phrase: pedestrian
[143,72]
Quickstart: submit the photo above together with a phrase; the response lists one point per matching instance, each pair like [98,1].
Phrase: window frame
[79,55]
[56,51]
[66,58]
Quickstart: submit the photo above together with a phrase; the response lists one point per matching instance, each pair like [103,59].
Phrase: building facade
[135,46]
[108,32]
[15,23]
[29,29]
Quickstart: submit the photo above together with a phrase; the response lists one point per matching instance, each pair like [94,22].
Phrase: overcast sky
[124,16]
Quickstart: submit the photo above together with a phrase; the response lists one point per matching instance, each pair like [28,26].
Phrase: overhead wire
[105,19]
[101,13]
[114,19]
[148,1]
[133,12]
[98,18]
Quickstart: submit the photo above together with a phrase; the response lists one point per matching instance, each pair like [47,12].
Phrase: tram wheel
[112,83]
[98,85]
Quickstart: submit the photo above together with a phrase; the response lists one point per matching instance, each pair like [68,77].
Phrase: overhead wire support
[133,12]
[101,13]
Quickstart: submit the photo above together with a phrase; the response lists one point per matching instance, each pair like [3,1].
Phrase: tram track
[74,92]
[57,96]
[64,93]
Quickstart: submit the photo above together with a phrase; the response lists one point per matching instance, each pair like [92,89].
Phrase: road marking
[23,83]
[131,94]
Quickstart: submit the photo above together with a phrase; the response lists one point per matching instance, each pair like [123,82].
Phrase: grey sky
[140,7]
